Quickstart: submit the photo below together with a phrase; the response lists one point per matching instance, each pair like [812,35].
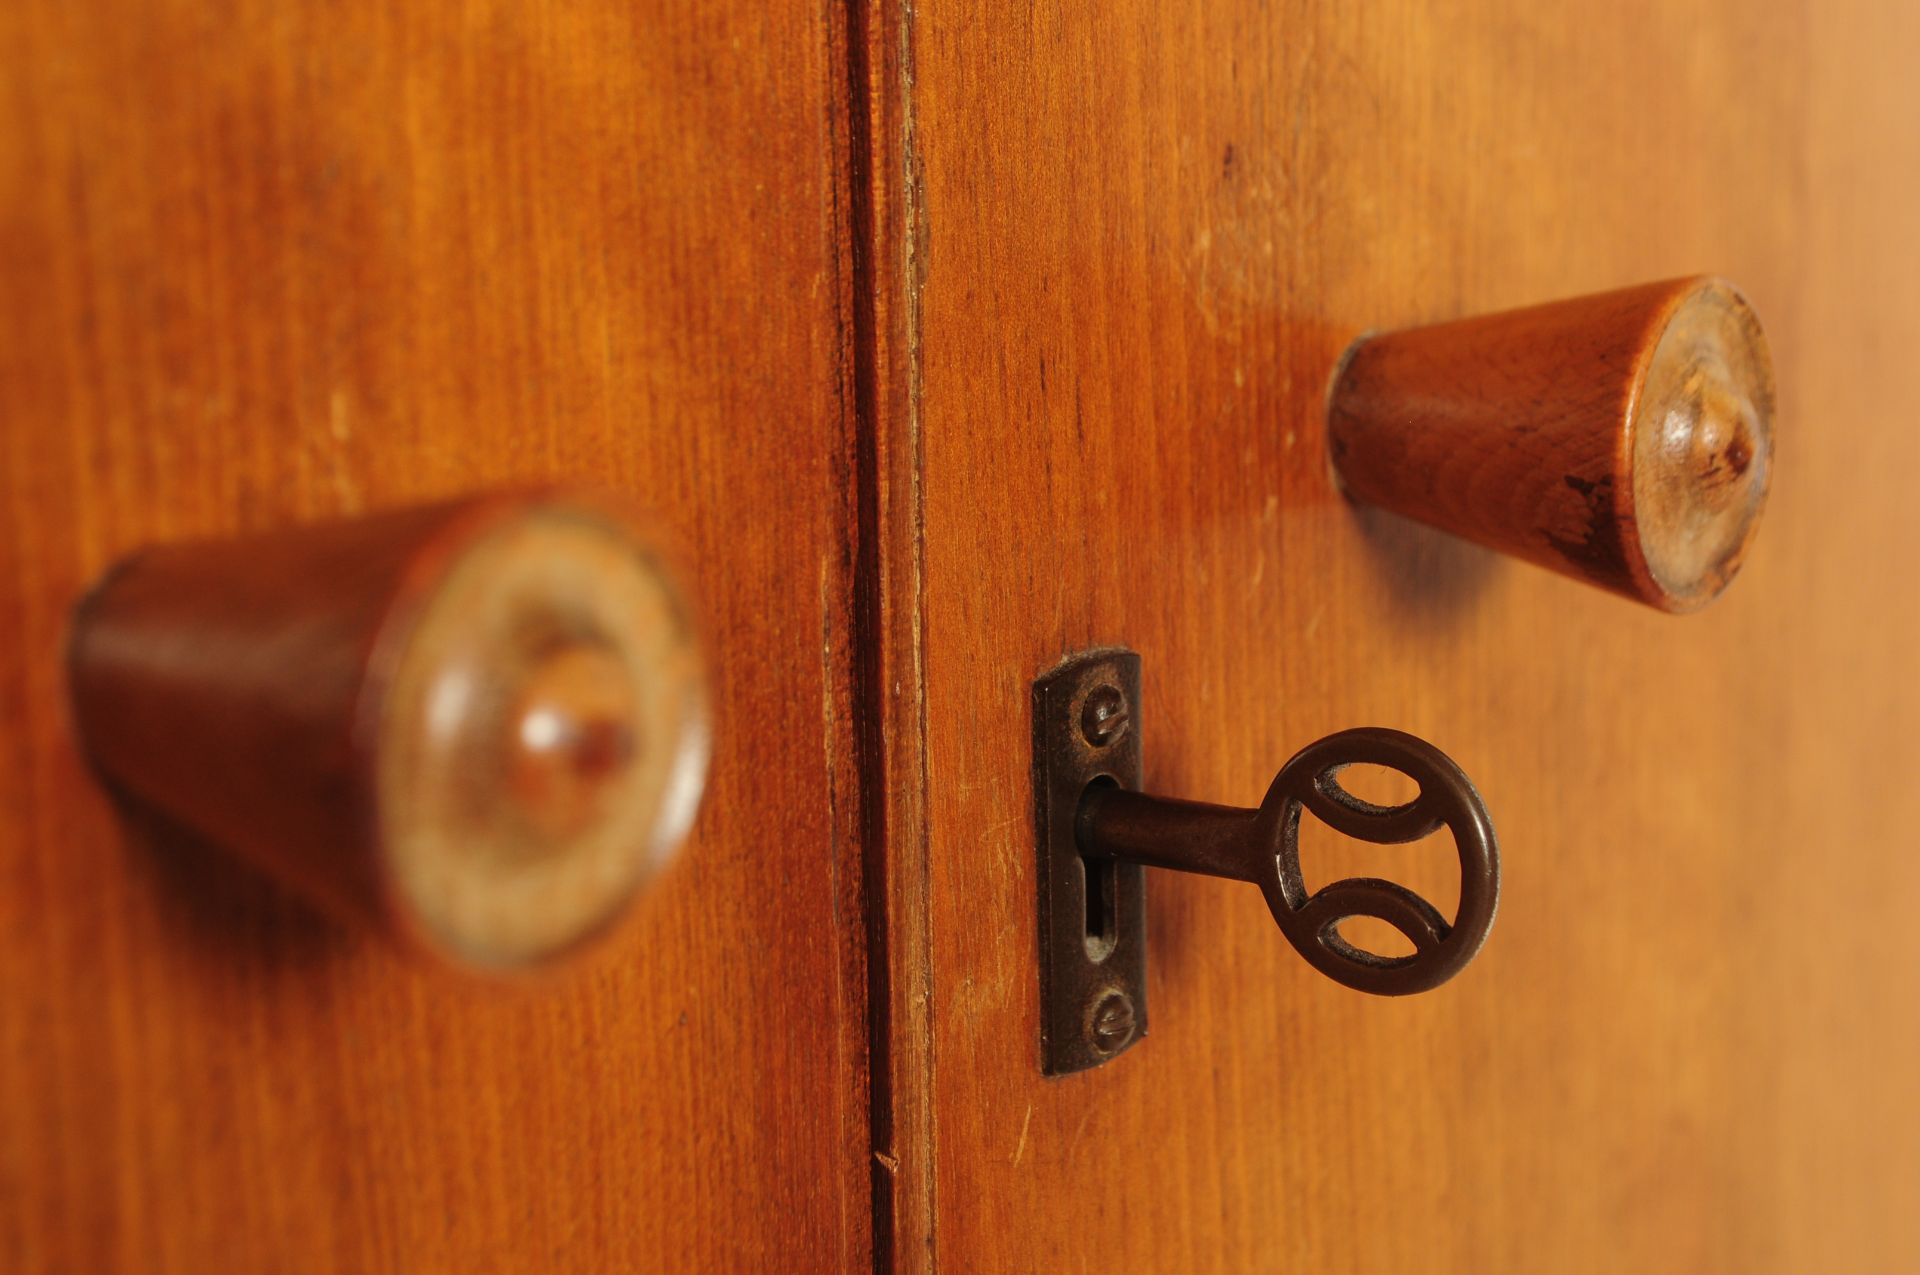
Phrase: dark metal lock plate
[1095,830]
[1093,924]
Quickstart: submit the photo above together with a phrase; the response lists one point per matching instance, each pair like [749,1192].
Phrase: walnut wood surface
[1138,238]
[268,262]
[273,263]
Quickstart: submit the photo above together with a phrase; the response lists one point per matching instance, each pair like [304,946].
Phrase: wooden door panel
[268,262]
[1028,357]
[1140,236]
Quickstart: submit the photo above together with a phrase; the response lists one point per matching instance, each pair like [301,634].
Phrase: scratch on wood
[340,430]
[1020,1148]
[828,751]
[1086,1118]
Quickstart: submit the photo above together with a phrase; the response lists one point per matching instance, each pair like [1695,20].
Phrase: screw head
[1105,716]
[1110,1022]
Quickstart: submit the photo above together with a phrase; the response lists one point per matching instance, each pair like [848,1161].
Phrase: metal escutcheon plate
[1093,966]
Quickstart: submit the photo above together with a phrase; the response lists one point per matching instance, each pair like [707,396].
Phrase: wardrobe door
[1136,242]
[269,263]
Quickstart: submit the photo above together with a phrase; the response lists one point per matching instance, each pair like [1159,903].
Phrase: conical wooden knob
[1625,439]
[480,727]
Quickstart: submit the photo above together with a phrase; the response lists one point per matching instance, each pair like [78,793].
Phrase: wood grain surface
[949,340]
[267,262]
[1137,237]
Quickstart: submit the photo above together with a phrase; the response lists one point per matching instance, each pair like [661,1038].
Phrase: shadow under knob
[481,726]
[1624,439]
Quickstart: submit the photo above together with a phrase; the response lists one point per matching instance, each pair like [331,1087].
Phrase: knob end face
[540,741]
[1702,446]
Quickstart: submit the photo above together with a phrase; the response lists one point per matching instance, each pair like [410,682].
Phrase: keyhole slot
[1102,893]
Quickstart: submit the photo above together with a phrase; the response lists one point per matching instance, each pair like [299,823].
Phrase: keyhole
[1100,909]
[1102,895]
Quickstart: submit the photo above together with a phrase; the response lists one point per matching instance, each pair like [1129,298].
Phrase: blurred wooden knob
[1625,439]
[480,726]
